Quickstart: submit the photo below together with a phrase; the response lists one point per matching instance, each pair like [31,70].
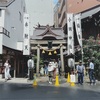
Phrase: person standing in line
[45,69]
[56,71]
[30,64]
[42,71]
[59,66]
[50,72]
[80,71]
[91,73]
[7,70]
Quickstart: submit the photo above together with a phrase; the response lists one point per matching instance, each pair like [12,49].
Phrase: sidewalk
[43,80]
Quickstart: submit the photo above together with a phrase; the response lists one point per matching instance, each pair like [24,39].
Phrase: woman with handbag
[7,70]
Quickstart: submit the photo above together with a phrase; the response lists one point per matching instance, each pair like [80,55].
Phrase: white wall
[1,25]
[2,17]
[13,24]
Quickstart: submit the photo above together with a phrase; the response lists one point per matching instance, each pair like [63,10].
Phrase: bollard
[68,78]
[34,81]
[72,84]
[57,81]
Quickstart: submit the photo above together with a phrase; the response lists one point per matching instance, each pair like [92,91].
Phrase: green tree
[91,49]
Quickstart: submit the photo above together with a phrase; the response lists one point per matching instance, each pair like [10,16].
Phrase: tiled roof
[76,6]
[5,3]
[39,33]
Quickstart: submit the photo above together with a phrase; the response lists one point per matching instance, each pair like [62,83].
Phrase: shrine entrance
[47,43]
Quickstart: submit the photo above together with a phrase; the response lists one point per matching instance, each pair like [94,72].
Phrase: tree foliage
[91,49]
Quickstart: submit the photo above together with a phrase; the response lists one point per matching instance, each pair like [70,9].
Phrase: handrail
[4,31]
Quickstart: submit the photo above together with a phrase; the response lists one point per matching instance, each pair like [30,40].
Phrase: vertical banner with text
[77,18]
[1,47]
[26,36]
[70,40]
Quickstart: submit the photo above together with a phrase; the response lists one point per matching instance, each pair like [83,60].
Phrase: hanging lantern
[55,52]
[50,53]
[43,51]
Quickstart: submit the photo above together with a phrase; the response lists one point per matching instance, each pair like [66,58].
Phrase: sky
[40,11]
[55,1]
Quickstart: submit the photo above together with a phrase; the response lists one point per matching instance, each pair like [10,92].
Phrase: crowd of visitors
[51,69]
[80,70]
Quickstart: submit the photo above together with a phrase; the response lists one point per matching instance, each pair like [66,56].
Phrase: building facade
[56,15]
[11,33]
[76,6]
[90,18]
[43,35]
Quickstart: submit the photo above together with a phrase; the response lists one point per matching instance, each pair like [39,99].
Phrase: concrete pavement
[43,81]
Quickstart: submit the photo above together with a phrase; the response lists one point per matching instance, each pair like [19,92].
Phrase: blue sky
[55,1]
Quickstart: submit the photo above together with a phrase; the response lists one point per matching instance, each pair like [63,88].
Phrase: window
[20,16]
[0,12]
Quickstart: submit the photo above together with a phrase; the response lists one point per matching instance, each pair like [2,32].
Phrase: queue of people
[80,70]
[54,68]
[51,70]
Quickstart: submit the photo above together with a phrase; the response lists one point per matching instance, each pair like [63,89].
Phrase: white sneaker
[91,84]
[50,82]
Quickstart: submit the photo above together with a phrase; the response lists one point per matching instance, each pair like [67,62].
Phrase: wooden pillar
[14,68]
[61,57]
[38,59]
[18,67]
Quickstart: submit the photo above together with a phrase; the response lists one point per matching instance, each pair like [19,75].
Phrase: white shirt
[7,65]
[50,68]
[91,66]
[30,63]
[55,64]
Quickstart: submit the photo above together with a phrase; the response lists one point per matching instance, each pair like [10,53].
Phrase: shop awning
[90,12]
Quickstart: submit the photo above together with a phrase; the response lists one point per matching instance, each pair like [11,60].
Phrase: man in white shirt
[91,73]
[59,66]
[30,64]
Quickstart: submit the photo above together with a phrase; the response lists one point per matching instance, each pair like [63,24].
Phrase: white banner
[78,28]
[26,36]
[72,78]
[1,43]
[70,39]
[71,62]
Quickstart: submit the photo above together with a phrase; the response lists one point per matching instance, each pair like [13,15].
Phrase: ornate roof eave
[48,32]
[49,36]
[6,3]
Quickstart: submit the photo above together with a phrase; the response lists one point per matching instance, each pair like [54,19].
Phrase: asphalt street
[15,91]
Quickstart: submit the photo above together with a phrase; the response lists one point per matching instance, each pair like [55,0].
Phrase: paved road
[15,91]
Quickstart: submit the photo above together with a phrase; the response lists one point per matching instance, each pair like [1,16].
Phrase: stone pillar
[14,68]
[38,59]
[61,57]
